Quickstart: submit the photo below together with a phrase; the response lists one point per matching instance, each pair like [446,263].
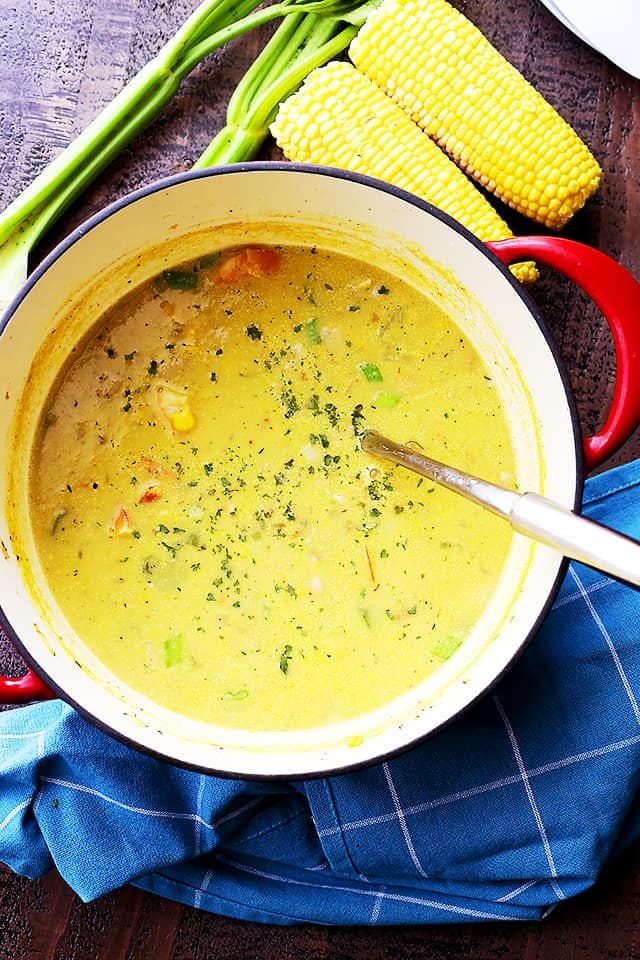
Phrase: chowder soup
[206,519]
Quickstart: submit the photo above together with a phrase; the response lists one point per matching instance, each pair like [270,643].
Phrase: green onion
[370,372]
[180,279]
[173,651]
[209,260]
[446,647]
[302,42]
[213,24]
[312,332]
[387,399]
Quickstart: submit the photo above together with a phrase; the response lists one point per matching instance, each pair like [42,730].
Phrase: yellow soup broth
[206,518]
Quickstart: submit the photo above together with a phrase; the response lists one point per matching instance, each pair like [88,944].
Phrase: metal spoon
[529,513]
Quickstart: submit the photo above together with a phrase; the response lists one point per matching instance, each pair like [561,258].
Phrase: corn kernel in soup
[206,518]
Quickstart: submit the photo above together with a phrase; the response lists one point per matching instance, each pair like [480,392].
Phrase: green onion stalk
[213,24]
[302,42]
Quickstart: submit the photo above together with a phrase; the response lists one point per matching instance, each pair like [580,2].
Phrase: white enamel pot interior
[179,219]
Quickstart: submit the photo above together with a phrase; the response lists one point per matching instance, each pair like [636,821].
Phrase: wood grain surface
[60,61]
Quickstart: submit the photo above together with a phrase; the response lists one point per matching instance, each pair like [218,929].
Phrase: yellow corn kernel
[174,404]
[340,118]
[183,420]
[447,76]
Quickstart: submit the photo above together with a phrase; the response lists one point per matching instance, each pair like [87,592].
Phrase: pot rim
[78,233]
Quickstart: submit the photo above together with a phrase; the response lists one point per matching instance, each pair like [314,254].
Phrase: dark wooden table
[59,63]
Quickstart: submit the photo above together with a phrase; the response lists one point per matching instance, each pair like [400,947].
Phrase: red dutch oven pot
[271,203]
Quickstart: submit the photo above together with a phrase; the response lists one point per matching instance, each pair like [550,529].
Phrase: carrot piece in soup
[155,468]
[150,495]
[249,262]
[121,523]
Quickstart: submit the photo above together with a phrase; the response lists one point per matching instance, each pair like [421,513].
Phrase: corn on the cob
[340,118]
[440,68]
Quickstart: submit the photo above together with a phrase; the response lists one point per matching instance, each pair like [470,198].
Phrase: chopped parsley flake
[285,657]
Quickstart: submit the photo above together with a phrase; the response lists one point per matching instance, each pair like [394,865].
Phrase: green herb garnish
[290,403]
[285,656]
[357,419]
[332,413]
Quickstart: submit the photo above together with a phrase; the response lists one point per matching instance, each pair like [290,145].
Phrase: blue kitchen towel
[509,810]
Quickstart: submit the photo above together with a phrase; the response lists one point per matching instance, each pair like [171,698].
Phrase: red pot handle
[24,689]
[617,294]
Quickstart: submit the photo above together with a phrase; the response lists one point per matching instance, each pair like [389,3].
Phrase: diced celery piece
[173,650]
[370,372]
[446,647]
[312,332]
[387,399]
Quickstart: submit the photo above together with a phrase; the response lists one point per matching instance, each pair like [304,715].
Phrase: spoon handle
[529,513]
[577,537]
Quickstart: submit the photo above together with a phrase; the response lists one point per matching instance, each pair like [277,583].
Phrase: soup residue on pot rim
[206,519]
